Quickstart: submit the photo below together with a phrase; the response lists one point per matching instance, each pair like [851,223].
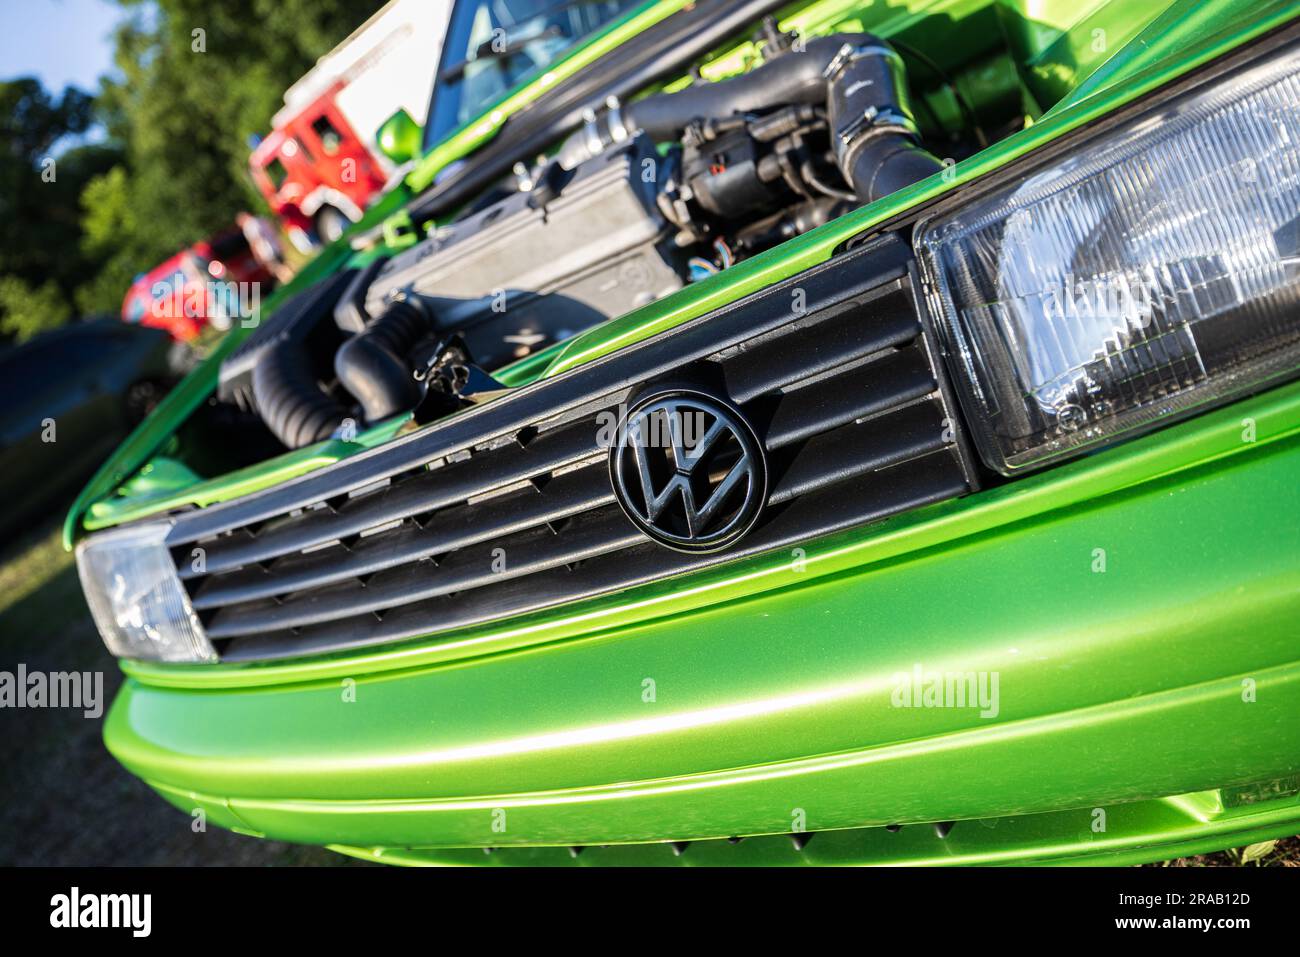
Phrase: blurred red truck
[210,283]
[320,166]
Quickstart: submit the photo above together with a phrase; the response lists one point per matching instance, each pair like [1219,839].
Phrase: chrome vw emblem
[689,471]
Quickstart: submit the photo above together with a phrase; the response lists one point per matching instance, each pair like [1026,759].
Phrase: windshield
[494,45]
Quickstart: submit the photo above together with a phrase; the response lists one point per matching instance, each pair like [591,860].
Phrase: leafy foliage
[27,310]
[41,179]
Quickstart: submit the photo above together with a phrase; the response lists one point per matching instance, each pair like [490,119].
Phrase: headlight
[1148,274]
[136,597]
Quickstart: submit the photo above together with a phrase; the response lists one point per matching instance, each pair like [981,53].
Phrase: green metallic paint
[1175,35]
[1059,42]
[399,137]
[777,697]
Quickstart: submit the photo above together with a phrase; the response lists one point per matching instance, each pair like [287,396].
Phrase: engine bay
[645,198]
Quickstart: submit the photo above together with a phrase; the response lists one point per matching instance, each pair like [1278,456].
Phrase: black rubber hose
[875,137]
[791,78]
[887,162]
[289,399]
[857,76]
[374,366]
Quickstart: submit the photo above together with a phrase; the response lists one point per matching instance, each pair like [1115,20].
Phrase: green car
[830,432]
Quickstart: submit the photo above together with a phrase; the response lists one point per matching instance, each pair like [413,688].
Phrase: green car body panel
[1139,606]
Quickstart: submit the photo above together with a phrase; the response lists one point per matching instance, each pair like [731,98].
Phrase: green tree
[26,311]
[43,170]
[111,237]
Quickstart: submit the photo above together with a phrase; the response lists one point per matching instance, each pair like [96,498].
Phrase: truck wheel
[330,224]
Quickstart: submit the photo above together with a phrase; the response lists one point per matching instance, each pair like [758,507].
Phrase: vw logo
[689,471]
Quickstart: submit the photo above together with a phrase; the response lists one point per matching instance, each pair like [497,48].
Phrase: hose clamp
[591,133]
[874,119]
[849,53]
[614,122]
[842,57]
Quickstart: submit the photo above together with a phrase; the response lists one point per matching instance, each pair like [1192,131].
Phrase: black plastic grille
[502,510]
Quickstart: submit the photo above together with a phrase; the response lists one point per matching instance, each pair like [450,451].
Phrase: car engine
[645,198]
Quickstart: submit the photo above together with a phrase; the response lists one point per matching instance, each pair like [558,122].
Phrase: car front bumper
[1137,608]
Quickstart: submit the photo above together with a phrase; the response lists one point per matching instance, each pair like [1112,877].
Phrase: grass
[38,586]
[64,800]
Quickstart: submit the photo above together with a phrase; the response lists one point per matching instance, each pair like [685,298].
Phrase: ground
[64,800]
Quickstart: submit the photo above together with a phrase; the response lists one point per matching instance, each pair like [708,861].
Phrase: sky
[59,41]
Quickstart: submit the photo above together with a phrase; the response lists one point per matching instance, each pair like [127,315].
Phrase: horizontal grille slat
[429,490]
[864,390]
[509,508]
[854,449]
[845,331]
[573,492]
[594,534]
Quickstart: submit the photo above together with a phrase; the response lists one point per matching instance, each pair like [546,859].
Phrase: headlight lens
[1151,272]
[136,597]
